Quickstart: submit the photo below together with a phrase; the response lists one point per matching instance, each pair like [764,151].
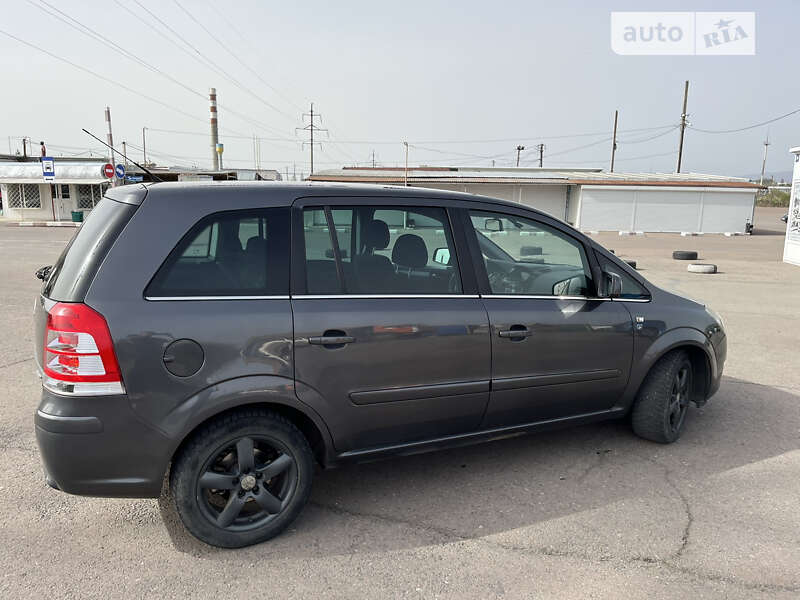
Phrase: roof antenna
[156,177]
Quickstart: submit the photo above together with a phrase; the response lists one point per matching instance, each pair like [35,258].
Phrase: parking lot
[587,512]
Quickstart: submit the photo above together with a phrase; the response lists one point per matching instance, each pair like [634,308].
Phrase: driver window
[525,257]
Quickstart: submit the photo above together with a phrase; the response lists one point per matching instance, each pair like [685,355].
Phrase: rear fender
[233,393]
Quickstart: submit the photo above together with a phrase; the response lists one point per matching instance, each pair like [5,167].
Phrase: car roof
[284,193]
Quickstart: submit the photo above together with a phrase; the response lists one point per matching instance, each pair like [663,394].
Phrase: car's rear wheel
[242,478]
[663,400]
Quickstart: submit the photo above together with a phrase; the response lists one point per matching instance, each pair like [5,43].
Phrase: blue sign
[120,171]
[134,178]
[48,167]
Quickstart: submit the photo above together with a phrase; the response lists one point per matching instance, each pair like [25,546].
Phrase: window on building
[382,251]
[90,195]
[24,195]
[65,192]
[235,253]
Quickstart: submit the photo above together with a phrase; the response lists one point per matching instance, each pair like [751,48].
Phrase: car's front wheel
[663,399]
[242,478]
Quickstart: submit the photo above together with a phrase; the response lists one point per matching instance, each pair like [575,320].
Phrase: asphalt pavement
[589,512]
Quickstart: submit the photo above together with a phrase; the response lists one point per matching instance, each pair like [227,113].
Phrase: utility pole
[683,125]
[212,107]
[144,147]
[125,154]
[311,128]
[373,159]
[764,161]
[110,141]
[540,148]
[405,179]
[614,143]
[519,149]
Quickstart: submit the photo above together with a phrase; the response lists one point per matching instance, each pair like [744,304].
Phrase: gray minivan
[232,335]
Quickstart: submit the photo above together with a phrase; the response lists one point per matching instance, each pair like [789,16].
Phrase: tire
[663,400]
[701,268]
[684,255]
[248,507]
[631,263]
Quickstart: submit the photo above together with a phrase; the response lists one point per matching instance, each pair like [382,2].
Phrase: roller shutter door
[606,210]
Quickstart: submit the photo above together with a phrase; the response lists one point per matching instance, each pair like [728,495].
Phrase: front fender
[233,393]
[645,358]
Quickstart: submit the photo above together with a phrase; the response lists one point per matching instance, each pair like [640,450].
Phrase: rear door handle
[331,339]
[516,332]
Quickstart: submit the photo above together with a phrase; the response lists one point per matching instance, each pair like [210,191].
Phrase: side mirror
[44,272]
[441,256]
[613,284]
[493,224]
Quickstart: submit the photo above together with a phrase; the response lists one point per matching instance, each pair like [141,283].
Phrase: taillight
[78,353]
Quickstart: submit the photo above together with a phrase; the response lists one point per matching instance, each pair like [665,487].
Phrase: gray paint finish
[420,373]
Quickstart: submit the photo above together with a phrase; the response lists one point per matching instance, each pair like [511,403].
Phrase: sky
[463,82]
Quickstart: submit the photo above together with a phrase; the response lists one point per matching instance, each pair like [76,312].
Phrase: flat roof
[461,175]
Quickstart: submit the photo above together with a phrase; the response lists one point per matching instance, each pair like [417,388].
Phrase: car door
[557,349]
[390,346]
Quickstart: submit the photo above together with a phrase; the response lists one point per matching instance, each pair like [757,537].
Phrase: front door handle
[333,338]
[516,332]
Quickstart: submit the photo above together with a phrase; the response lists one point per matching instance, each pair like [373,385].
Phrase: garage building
[590,199]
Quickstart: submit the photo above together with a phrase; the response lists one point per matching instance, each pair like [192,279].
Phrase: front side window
[236,253]
[526,257]
[383,250]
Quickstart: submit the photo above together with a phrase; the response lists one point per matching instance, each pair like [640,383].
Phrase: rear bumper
[96,446]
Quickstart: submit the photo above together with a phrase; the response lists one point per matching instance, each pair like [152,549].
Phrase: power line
[88,31]
[224,47]
[244,38]
[103,77]
[200,58]
[767,122]
[652,137]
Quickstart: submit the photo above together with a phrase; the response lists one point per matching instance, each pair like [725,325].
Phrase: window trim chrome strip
[539,297]
[184,298]
[379,296]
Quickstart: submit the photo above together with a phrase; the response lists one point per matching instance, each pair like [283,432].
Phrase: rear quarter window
[232,253]
[75,269]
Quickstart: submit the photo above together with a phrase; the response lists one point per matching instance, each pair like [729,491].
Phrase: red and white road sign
[108,170]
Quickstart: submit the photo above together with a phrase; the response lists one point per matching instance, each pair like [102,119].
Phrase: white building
[590,199]
[78,186]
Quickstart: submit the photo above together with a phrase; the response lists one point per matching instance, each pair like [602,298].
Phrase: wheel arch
[271,393]
[701,354]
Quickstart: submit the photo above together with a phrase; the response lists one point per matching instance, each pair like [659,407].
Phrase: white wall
[45,213]
[665,209]
[550,199]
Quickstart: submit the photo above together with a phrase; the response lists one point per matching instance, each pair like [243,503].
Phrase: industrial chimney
[212,98]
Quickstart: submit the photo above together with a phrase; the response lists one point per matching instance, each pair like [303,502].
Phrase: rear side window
[76,267]
[235,253]
[383,250]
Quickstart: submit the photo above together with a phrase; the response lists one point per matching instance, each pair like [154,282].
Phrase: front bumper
[721,353]
[96,446]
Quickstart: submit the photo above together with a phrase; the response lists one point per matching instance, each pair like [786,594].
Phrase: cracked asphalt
[589,512]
